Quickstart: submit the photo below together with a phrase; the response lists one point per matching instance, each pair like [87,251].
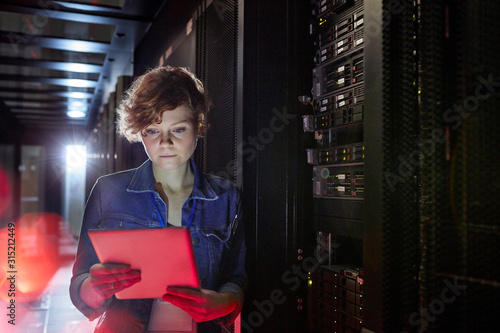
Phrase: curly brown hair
[158,90]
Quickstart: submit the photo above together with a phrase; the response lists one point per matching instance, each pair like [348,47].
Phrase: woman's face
[171,143]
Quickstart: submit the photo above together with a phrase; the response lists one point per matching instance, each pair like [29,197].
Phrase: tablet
[164,256]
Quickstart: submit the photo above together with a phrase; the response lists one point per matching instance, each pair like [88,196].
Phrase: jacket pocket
[222,233]
[121,221]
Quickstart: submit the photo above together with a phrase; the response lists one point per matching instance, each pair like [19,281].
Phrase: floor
[52,311]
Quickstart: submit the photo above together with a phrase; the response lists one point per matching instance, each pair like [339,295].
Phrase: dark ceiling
[62,56]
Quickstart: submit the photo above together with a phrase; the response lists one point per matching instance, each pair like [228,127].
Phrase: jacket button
[196,240]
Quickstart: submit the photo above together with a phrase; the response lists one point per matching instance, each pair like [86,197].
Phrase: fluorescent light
[80,68]
[76,114]
[77,104]
[80,83]
[77,94]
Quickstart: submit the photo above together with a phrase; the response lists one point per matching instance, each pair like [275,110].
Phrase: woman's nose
[166,139]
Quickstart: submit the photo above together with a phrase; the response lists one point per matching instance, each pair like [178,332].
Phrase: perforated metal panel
[466,247]
[217,68]
[400,132]
[217,51]
[435,223]
[441,145]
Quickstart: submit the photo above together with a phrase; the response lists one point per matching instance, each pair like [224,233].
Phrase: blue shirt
[129,200]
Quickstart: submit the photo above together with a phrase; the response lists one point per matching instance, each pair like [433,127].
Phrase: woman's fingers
[107,290]
[109,278]
[184,292]
[201,305]
[114,277]
[116,281]
[109,268]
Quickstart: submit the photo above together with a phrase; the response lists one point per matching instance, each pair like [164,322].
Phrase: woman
[166,110]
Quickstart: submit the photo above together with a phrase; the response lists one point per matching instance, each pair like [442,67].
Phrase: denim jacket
[129,200]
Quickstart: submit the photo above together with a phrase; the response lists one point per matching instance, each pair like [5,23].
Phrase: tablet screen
[164,256]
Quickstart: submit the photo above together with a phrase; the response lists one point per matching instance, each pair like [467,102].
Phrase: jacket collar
[143,181]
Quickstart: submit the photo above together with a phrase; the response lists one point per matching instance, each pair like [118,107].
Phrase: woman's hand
[109,278]
[106,280]
[201,305]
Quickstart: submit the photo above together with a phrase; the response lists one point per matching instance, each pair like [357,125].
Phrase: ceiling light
[80,68]
[80,83]
[76,114]
[77,94]
[77,104]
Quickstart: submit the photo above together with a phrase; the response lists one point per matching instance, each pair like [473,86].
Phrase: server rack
[424,230]
[337,160]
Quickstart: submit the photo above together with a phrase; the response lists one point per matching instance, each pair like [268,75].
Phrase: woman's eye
[179,130]
[151,131]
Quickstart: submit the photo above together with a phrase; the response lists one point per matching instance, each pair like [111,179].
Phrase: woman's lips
[166,156]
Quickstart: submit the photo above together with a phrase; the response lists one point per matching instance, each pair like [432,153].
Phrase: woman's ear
[201,128]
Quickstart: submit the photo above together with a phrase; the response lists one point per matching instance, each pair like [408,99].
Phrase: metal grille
[400,132]
[441,144]
[216,67]
[435,223]
[217,45]
[473,169]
